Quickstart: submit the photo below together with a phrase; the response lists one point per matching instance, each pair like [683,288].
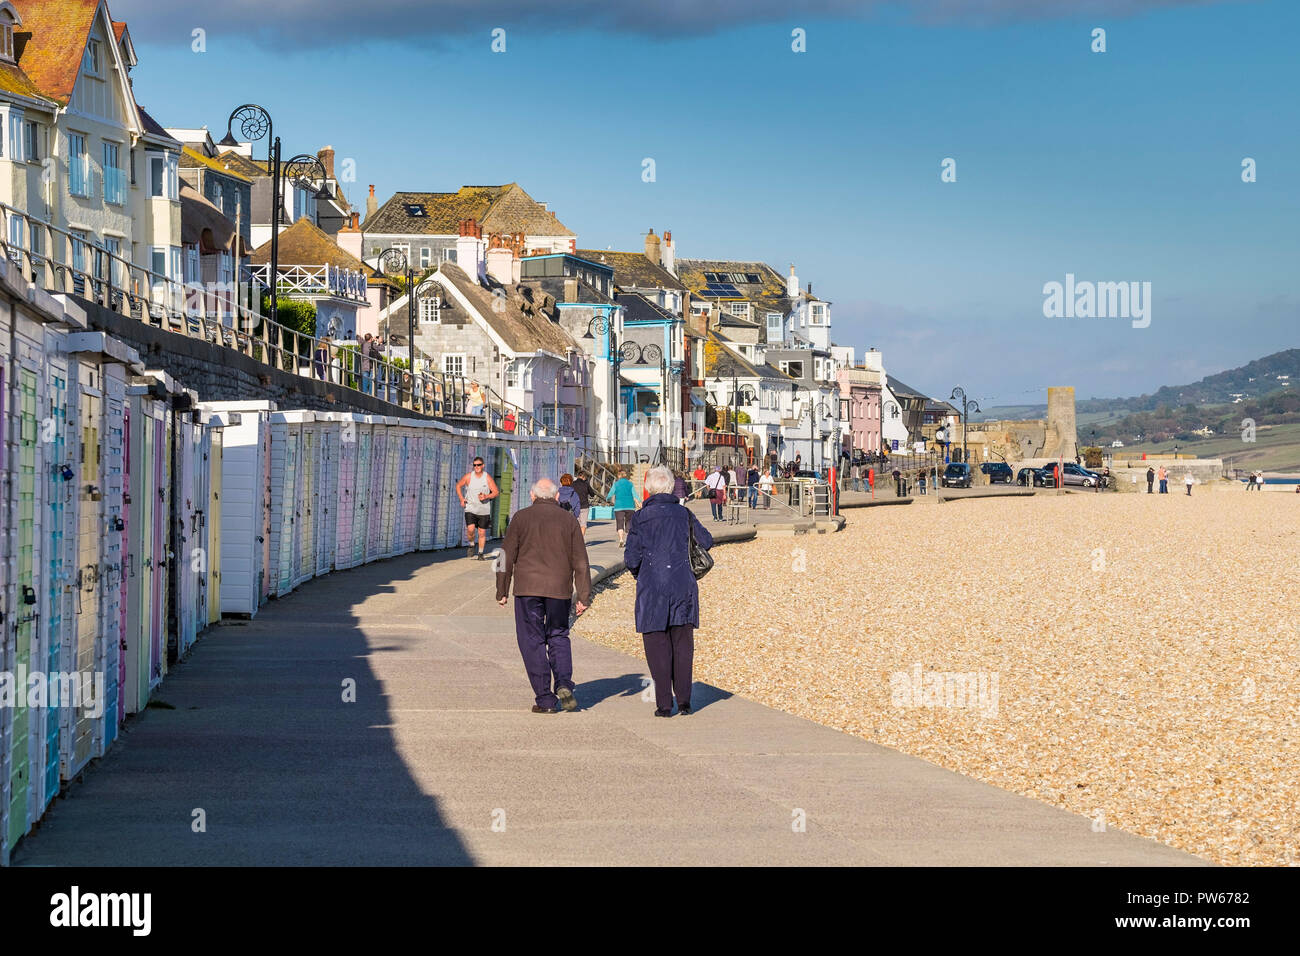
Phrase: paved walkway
[439,760]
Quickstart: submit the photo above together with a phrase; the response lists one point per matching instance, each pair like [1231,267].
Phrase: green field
[1276,448]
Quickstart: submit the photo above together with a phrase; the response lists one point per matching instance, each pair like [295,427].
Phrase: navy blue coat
[657,555]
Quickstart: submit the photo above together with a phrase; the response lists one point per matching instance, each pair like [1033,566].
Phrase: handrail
[219,313]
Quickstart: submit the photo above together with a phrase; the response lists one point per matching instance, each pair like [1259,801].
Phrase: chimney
[792,284]
[469,249]
[326,157]
[810,288]
[500,264]
[668,253]
[652,247]
[371,203]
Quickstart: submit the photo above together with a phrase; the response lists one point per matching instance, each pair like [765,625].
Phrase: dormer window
[9,19]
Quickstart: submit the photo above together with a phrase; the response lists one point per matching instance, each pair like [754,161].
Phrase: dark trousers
[542,629]
[670,654]
[1150,482]
[1164,486]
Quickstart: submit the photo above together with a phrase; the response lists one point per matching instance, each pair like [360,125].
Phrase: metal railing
[63,262]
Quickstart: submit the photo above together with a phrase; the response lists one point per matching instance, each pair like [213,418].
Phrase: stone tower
[1061,440]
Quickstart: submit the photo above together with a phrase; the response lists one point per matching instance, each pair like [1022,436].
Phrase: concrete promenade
[439,761]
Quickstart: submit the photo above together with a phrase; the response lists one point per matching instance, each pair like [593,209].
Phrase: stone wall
[1208,473]
[220,374]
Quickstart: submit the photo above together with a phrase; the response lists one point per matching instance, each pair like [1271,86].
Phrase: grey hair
[545,488]
[659,480]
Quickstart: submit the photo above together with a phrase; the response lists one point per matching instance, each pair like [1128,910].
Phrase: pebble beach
[1130,658]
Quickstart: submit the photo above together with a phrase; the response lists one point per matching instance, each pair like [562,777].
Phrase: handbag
[701,560]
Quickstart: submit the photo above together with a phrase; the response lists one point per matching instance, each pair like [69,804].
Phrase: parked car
[1036,477]
[1072,474]
[999,472]
[956,475]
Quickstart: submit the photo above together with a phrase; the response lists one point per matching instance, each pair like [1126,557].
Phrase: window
[114,177]
[37,239]
[818,314]
[113,244]
[453,364]
[426,255]
[16,137]
[92,59]
[218,194]
[7,41]
[449,255]
[33,141]
[512,375]
[80,240]
[740,309]
[774,326]
[176,263]
[299,203]
[192,273]
[793,369]
[16,232]
[78,165]
[431,307]
[163,176]
[158,260]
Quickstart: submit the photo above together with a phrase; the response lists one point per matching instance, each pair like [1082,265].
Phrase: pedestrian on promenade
[699,473]
[1163,477]
[766,486]
[367,363]
[582,488]
[680,491]
[716,484]
[1188,480]
[476,491]
[624,496]
[546,557]
[753,479]
[568,498]
[667,595]
[898,482]
[1151,478]
[920,480]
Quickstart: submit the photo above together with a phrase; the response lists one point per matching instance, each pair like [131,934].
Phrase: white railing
[313,280]
[221,313]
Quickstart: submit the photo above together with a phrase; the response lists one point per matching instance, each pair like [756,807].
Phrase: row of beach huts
[133,516]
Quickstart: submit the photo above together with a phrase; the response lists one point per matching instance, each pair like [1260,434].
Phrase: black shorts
[621,519]
[477,521]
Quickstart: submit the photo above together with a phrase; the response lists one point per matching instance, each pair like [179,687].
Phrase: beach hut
[245,519]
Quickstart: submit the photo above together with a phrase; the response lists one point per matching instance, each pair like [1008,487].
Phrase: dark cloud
[334,23]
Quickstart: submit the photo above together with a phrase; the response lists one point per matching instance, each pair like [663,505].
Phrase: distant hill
[1251,381]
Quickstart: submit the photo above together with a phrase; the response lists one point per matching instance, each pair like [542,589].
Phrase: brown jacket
[545,554]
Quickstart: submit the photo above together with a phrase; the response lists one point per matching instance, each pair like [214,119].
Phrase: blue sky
[1123,165]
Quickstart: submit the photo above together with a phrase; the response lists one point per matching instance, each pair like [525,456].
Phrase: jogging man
[476,491]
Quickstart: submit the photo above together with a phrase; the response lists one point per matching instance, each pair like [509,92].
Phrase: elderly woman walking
[667,595]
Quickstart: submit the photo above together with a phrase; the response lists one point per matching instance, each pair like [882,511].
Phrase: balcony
[115,186]
[322,280]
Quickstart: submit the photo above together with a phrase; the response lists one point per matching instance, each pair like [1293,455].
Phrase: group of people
[1255,481]
[1161,475]
[544,560]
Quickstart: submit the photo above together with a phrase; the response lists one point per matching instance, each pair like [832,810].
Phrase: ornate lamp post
[967,406]
[614,355]
[255,123]
[396,260]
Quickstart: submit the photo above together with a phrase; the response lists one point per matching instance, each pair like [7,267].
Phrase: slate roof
[499,209]
[522,331]
[903,391]
[304,244]
[241,164]
[768,293]
[641,309]
[717,354]
[192,158]
[633,270]
[59,31]
[154,129]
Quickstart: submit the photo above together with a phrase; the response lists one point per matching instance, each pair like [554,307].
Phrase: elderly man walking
[667,595]
[545,555]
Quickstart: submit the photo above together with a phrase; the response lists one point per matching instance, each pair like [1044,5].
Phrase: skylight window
[415,211]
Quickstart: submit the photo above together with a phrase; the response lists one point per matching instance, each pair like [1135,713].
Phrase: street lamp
[255,123]
[613,355]
[394,259]
[967,405]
